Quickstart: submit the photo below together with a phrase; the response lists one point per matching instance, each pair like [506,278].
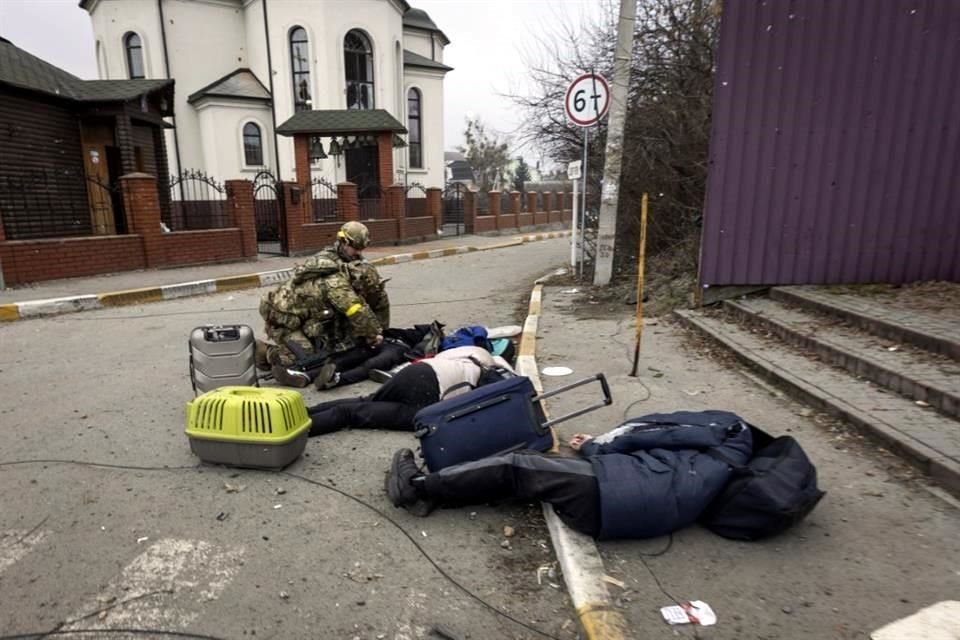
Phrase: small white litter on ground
[557,371]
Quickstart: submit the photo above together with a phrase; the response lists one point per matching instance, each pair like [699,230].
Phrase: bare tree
[668,117]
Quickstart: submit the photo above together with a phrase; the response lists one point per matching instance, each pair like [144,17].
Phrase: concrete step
[921,435]
[924,330]
[914,373]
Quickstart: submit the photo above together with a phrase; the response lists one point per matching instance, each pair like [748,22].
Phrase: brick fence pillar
[435,206]
[493,208]
[515,203]
[470,205]
[531,201]
[141,205]
[240,204]
[301,159]
[385,158]
[396,197]
[548,203]
[348,206]
[294,206]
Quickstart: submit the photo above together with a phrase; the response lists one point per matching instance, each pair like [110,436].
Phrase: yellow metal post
[641,251]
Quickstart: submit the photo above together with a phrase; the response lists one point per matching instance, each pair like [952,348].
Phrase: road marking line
[187,289]
[163,587]
[131,296]
[268,278]
[9,312]
[56,306]
[39,308]
[16,543]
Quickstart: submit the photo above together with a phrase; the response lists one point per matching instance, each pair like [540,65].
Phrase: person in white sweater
[393,406]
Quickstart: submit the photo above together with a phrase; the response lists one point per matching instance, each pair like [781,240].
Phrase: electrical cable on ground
[200,468]
[29,533]
[97,612]
[139,632]
[626,411]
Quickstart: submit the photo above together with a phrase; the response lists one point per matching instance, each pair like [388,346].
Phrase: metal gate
[453,208]
[268,213]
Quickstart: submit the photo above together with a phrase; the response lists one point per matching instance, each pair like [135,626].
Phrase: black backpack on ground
[775,490]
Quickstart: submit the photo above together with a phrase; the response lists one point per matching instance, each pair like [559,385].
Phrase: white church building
[242,68]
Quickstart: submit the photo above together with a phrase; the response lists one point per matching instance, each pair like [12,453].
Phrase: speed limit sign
[587,100]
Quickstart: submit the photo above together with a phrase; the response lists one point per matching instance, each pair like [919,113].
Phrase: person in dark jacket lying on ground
[648,477]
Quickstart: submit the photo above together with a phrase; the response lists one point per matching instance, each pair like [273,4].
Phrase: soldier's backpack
[775,490]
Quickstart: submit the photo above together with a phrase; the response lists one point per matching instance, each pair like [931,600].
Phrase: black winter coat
[652,473]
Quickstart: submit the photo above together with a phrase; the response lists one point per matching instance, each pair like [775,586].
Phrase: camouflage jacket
[328,296]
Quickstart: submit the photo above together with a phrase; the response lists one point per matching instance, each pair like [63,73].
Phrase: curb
[90,302]
[577,553]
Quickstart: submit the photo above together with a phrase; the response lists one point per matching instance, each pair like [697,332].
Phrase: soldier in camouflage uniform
[335,301]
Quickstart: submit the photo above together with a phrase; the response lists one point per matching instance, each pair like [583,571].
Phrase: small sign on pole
[587,100]
[573,173]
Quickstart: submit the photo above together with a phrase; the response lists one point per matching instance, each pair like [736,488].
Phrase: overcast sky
[488,41]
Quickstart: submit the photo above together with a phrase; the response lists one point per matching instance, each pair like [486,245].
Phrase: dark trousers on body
[568,484]
[392,407]
[356,364]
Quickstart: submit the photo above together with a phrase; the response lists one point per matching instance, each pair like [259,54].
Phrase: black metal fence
[268,210]
[415,197]
[370,198]
[453,197]
[505,202]
[323,195]
[49,203]
[197,201]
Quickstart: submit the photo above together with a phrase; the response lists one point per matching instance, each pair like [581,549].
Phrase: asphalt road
[236,553]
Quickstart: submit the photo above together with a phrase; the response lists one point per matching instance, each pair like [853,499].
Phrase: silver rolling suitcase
[222,355]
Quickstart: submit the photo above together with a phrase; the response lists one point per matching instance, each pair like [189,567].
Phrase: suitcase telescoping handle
[607,399]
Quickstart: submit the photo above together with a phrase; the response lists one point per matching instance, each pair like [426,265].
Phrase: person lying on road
[396,402]
[399,346]
[648,477]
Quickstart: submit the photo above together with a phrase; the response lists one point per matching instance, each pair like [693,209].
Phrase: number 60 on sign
[587,100]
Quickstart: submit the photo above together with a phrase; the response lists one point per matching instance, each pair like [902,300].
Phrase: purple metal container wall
[835,147]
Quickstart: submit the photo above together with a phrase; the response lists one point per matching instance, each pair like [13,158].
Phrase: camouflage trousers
[280,353]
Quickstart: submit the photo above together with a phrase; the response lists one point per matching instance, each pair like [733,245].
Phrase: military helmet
[354,234]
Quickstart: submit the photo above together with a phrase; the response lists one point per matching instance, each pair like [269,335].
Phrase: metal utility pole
[607,228]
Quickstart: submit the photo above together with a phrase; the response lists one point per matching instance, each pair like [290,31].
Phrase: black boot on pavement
[401,484]
[327,377]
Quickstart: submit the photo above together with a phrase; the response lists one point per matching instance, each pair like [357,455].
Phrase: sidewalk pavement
[135,287]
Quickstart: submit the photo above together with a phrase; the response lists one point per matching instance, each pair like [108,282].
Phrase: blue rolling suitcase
[493,419]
